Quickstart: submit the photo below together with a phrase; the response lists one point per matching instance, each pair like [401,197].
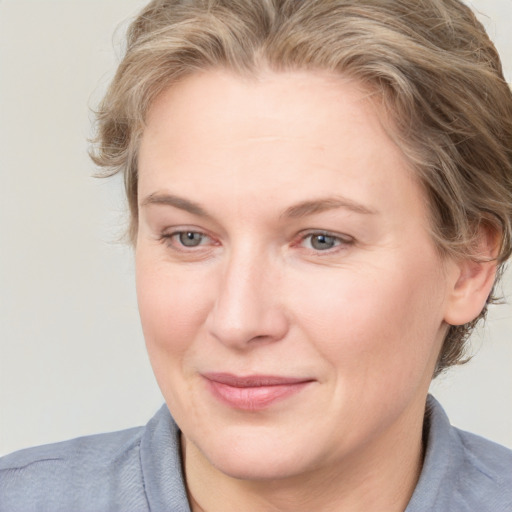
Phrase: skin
[362,315]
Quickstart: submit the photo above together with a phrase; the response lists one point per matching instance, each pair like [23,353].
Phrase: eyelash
[340,242]
[168,239]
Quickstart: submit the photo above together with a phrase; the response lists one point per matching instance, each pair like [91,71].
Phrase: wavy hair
[430,63]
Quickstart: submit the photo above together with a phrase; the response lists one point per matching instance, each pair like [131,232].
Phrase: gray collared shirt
[139,470]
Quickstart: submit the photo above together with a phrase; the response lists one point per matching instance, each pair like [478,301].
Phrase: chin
[260,459]
[258,468]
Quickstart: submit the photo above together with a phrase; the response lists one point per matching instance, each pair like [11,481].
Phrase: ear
[472,279]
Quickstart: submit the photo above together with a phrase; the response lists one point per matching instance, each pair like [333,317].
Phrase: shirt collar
[443,458]
[160,460]
[164,482]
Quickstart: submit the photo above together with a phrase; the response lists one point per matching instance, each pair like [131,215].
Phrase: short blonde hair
[430,62]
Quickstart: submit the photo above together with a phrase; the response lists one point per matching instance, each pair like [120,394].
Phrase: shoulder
[486,470]
[461,471]
[98,448]
[135,470]
[71,475]
[490,458]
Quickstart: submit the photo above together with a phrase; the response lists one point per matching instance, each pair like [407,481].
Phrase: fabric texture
[140,470]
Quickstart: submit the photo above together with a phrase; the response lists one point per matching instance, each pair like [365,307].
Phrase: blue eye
[190,238]
[188,243]
[321,242]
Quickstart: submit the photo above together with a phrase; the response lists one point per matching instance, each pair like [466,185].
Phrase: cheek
[173,306]
[375,322]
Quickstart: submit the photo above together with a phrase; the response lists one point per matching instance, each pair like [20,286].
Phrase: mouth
[253,392]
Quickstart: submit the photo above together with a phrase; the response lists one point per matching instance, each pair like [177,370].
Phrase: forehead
[224,108]
[283,136]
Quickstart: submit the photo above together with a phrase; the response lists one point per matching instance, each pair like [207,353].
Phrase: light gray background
[72,357]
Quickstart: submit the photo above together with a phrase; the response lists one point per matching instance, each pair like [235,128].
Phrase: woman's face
[291,297]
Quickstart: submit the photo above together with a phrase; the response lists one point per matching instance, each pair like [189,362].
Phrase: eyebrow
[323,204]
[299,210]
[177,202]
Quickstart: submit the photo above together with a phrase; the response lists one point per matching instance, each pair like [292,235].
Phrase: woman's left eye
[324,241]
[190,238]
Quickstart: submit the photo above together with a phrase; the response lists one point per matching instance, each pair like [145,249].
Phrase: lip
[253,392]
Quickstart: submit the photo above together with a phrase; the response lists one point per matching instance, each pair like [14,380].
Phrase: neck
[381,476]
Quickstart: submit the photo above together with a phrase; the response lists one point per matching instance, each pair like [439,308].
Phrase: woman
[321,197]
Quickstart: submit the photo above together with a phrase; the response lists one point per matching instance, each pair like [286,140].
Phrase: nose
[248,309]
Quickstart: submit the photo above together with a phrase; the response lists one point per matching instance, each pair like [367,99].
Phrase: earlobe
[472,281]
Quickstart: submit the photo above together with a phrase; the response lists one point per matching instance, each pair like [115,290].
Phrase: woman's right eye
[186,239]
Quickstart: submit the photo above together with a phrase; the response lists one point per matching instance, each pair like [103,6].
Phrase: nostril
[247,311]
[259,325]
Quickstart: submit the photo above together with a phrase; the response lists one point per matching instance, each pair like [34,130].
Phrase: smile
[254,392]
